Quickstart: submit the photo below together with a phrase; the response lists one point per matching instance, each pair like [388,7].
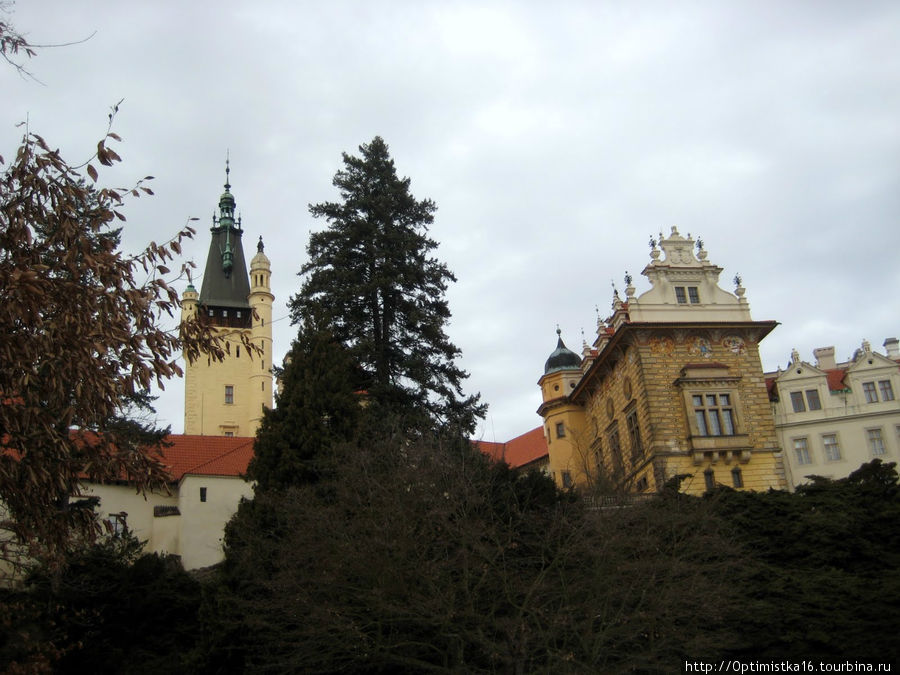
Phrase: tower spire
[227,169]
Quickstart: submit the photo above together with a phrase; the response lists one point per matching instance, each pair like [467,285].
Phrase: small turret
[562,357]
[563,419]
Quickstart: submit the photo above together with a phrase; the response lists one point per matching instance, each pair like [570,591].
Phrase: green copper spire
[226,201]
[225,280]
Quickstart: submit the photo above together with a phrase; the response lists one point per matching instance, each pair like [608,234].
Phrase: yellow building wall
[206,411]
[643,376]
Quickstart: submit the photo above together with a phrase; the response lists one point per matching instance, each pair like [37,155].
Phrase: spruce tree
[319,404]
[372,278]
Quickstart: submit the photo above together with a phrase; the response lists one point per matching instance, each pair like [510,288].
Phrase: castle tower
[563,419]
[226,398]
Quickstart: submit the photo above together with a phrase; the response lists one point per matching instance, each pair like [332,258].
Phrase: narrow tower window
[229,394]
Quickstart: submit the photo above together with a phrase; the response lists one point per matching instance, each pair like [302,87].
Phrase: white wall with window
[832,417]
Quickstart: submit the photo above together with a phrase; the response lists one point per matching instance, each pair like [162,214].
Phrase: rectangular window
[876,442]
[229,394]
[615,449]
[203,494]
[710,478]
[797,401]
[694,295]
[117,523]
[560,430]
[737,479]
[211,312]
[714,414]
[801,451]
[567,479]
[869,391]
[634,433]
[832,449]
[812,399]
[229,434]
[680,295]
[887,392]
[238,313]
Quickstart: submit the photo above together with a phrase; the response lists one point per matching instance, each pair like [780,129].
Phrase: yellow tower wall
[260,384]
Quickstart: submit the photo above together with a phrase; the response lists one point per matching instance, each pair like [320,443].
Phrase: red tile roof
[836,379]
[520,451]
[207,455]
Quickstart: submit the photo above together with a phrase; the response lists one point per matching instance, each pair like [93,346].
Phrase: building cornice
[612,351]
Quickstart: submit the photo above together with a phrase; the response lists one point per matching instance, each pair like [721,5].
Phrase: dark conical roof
[562,358]
[225,280]
[225,287]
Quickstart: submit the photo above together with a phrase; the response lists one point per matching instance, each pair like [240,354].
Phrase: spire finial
[558,331]
[227,169]
[259,245]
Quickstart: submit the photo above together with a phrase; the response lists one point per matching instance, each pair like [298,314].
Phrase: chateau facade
[672,387]
[832,417]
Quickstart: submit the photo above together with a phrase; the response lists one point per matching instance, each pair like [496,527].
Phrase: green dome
[562,358]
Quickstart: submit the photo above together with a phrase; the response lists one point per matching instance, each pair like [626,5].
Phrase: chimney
[825,358]
[892,346]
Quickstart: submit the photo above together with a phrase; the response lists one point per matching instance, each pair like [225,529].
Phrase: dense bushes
[424,557]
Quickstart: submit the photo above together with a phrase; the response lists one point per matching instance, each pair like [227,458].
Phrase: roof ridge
[241,446]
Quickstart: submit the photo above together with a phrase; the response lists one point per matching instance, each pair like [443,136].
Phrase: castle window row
[831,447]
[871,393]
[737,478]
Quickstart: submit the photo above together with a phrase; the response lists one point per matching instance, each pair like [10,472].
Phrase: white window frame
[875,442]
[870,392]
[800,446]
[813,397]
[709,416]
[831,450]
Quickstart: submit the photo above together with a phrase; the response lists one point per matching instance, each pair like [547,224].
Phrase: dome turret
[562,357]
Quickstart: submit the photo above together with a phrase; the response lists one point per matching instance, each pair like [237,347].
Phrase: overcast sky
[555,138]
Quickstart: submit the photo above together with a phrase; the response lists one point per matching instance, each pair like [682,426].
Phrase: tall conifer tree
[372,278]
